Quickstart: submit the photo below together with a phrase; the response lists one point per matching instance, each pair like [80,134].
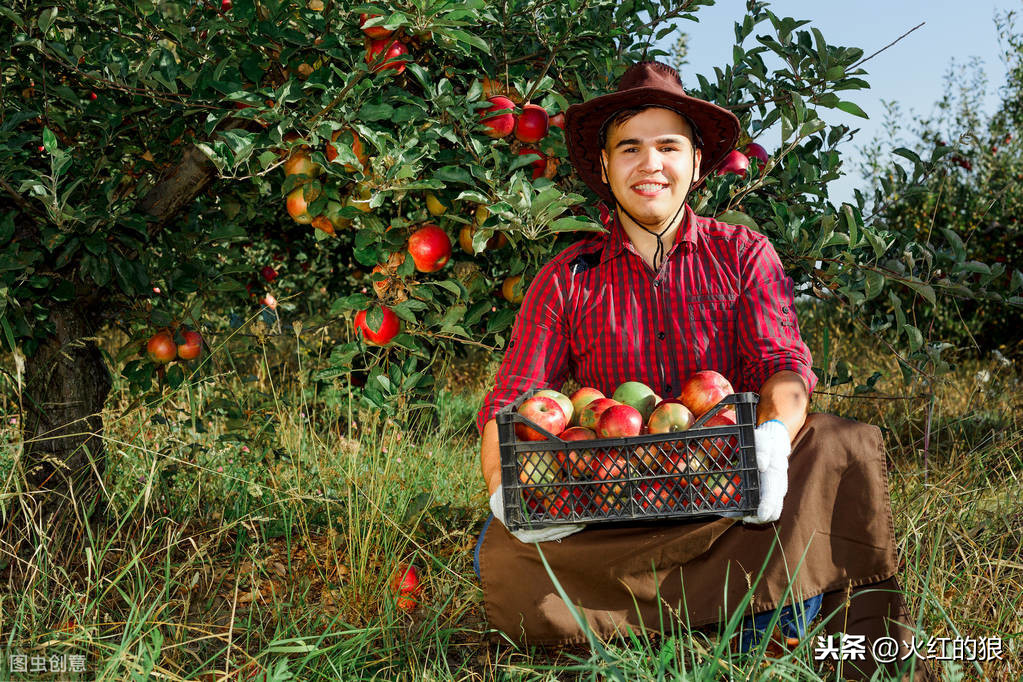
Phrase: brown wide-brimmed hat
[645,84]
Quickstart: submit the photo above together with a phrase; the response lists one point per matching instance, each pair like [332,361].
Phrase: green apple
[637,395]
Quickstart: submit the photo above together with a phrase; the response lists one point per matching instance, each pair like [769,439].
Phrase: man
[663,294]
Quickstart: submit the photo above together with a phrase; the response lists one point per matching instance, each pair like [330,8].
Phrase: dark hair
[623,115]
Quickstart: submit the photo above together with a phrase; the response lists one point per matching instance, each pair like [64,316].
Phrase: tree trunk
[66,386]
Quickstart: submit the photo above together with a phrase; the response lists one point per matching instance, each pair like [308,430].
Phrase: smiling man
[662,294]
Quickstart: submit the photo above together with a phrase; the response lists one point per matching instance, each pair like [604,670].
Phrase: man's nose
[650,160]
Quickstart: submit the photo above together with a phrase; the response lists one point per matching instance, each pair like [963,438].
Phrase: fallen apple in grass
[405,583]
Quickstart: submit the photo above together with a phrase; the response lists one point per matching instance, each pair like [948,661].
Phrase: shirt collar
[617,238]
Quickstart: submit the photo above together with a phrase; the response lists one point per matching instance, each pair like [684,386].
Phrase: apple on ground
[590,414]
[560,398]
[580,399]
[545,413]
[386,54]
[638,395]
[619,421]
[405,583]
[430,248]
[161,348]
[703,390]
[191,347]
[389,327]
[576,463]
[670,416]
[500,117]
[532,124]
[736,162]
[538,470]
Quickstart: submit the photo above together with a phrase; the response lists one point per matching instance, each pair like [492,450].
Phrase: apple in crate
[721,490]
[719,450]
[590,415]
[637,395]
[580,399]
[576,463]
[563,401]
[703,390]
[670,416]
[537,472]
[545,413]
[569,499]
[619,421]
[655,496]
[609,467]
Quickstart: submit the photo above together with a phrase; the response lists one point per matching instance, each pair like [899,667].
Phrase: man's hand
[773,448]
[539,535]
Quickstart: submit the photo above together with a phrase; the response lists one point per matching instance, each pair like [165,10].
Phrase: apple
[269,274]
[590,414]
[298,203]
[269,301]
[736,162]
[558,120]
[755,151]
[719,450]
[619,421]
[299,163]
[350,138]
[670,416]
[376,32]
[580,399]
[389,327]
[514,293]
[360,198]
[539,165]
[405,583]
[386,54]
[161,348]
[532,124]
[720,490]
[192,347]
[561,399]
[575,462]
[611,468]
[545,413]
[569,499]
[435,206]
[703,390]
[655,496]
[500,124]
[465,240]
[430,248]
[637,395]
[225,5]
[322,222]
[539,469]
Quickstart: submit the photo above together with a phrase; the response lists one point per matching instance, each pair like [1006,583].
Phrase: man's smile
[649,189]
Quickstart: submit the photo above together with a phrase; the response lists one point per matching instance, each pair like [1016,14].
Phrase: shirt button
[660,335]
[668,387]
[784,308]
[657,283]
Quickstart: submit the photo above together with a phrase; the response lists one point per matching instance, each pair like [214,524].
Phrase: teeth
[649,188]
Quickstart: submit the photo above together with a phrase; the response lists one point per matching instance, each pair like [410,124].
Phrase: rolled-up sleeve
[768,332]
[537,353]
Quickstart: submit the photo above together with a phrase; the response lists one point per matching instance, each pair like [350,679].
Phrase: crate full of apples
[588,458]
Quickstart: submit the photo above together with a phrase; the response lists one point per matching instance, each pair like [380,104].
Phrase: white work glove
[539,535]
[773,448]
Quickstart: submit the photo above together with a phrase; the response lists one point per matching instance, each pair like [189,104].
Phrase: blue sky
[911,72]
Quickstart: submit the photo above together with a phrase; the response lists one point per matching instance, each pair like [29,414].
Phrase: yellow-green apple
[576,463]
[590,414]
[386,54]
[430,248]
[405,583]
[389,327]
[161,348]
[500,117]
[514,293]
[736,162]
[638,395]
[377,32]
[563,401]
[580,399]
[191,348]
[619,421]
[465,239]
[703,390]
[545,413]
[532,124]
[434,205]
[537,472]
[670,416]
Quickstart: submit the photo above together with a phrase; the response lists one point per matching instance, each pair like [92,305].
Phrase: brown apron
[837,512]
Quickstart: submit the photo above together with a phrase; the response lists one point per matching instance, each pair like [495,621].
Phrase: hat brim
[719,129]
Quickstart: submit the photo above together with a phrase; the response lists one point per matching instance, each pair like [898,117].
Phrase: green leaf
[49,139]
[12,16]
[874,284]
[46,18]
[919,287]
[850,108]
[468,39]
[738,218]
[375,318]
[575,224]
[175,376]
[834,73]
[916,339]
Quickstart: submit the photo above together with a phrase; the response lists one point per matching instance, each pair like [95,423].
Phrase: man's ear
[697,160]
[603,166]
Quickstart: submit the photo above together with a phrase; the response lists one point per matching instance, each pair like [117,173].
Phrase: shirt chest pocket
[714,309]
[709,330]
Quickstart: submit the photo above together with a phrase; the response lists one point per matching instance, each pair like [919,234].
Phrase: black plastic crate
[703,471]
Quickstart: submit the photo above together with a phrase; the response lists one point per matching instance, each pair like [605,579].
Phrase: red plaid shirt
[720,301]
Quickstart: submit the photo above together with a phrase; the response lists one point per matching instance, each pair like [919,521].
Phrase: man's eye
[669,149]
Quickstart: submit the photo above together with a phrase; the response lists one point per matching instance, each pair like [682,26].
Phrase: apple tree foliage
[142,181]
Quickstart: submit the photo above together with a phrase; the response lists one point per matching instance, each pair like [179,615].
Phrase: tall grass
[260,543]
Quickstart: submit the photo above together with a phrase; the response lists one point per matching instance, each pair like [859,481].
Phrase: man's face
[650,164]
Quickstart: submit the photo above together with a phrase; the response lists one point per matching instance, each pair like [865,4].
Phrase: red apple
[539,165]
[377,32]
[269,274]
[298,203]
[720,491]
[545,413]
[703,390]
[350,138]
[590,414]
[576,463]
[580,399]
[569,499]
[719,450]
[430,248]
[755,151]
[638,395]
[299,163]
[161,348]
[560,398]
[192,347]
[610,467]
[500,124]
[386,54]
[405,583]
[655,496]
[390,325]
[532,124]
[225,5]
[558,120]
[736,162]
[619,421]
[670,416]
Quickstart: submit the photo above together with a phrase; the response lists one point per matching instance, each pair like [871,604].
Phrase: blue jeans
[753,627]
